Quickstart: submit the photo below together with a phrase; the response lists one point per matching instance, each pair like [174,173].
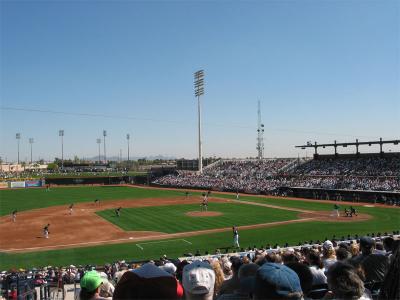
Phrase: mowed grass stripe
[27,199]
[173,218]
[309,205]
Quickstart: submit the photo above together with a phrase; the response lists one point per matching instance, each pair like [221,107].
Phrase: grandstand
[373,175]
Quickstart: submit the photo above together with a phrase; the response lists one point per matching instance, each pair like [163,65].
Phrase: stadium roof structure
[357,144]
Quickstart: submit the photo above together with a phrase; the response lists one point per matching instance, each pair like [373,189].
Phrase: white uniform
[46,232]
[236,238]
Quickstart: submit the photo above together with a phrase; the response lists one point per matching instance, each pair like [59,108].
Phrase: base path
[84,228]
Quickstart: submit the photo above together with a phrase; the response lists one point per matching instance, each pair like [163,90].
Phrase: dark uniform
[118,211]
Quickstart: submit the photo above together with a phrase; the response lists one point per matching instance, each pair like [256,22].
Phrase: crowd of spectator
[266,176]
[365,268]
[233,175]
[361,166]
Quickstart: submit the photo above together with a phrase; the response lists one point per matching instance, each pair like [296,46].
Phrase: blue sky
[323,70]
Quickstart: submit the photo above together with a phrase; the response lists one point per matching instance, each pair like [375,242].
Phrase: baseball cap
[198,278]
[147,282]
[367,242]
[276,281]
[327,245]
[247,275]
[169,267]
[91,281]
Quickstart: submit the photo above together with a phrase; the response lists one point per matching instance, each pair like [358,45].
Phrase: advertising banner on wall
[3,185]
[17,184]
[33,183]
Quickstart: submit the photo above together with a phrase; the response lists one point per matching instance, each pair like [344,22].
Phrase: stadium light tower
[31,142]
[104,144]
[127,139]
[98,141]
[18,137]
[61,134]
[260,137]
[199,91]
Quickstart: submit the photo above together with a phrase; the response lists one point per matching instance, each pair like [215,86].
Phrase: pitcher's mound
[203,213]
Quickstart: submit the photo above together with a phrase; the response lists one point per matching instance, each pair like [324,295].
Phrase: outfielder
[235,237]
[118,211]
[237,195]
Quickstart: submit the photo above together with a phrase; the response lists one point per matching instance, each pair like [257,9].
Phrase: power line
[230,125]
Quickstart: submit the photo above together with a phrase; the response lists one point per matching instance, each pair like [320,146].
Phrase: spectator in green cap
[90,286]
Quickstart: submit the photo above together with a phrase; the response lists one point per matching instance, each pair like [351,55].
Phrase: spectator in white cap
[328,254]
[198,281]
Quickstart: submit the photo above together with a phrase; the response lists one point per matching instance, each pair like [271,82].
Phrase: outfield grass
[384,219]
[27,199]
[172,219]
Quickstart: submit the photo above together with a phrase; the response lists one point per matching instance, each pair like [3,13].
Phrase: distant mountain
[116,158]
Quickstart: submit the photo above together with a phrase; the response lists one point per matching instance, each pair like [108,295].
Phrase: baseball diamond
[169,216]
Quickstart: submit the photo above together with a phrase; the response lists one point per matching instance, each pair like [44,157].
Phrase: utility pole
[31,142]
[98,141]
[127,138]
[18,137]
[104,145]
[61,134]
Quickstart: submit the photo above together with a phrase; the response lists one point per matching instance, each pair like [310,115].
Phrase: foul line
[156,242]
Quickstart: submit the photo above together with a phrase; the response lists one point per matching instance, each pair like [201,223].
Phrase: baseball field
[154,222]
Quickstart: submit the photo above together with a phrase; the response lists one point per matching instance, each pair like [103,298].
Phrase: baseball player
[205,203]
[335,210]
[46,231]
[352,211]
[14,216]
[235,237]
[237,195]
[186,195]
[118,212]
[71,208]
[97,202]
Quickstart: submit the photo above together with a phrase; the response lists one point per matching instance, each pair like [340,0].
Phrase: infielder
[204,204]
[237,195]
[46,231]
[97,202]
[14,216]
[71,208]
